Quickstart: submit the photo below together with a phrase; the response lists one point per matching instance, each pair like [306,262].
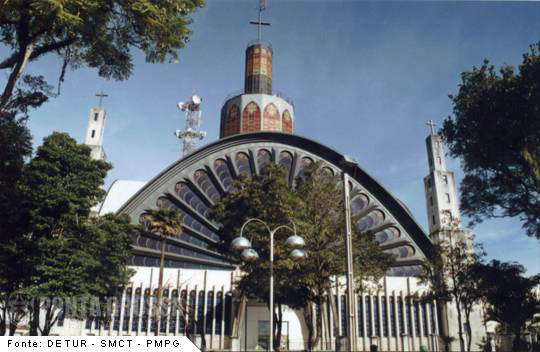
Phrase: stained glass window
[203,180]
[242,163]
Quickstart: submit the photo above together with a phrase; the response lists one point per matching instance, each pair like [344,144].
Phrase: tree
[495,131]
[164,223]
[16,146]
[513,303]
[267,197]
[108,244]
[61,253]
[449,273]
[316,206]
[96,33]
[322,223]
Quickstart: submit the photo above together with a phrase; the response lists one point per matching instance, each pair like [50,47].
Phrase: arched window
[191,312]
[387,235]
[219,313]
[186,194]
[251,118]
[286,159]
[232,122]
[164,311]
[263,159]
[209,312]
[242,163]
[304,164]
[173,317]
[359,203]
[402,251]
[224,174]
[370,221]
[203,180]
[271,120]
[287,125]
[197,226]
[136,307]
[200,312]
[146,310]
[328,171]
[164,203]
[182,312]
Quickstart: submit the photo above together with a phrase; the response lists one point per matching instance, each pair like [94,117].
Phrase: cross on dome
[259,23]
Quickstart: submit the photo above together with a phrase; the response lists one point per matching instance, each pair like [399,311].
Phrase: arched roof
[192,185]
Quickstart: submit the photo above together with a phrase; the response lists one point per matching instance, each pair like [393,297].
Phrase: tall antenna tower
[193,122]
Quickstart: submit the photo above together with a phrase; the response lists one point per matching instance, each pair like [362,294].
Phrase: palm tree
[165,223]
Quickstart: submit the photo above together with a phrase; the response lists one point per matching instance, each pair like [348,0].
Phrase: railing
[275,93]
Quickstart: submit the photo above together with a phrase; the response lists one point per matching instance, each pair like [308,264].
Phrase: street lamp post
[351,321]
[248,254]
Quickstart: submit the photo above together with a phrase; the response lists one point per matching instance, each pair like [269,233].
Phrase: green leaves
[58,251]
[513,303]
[316,207]
[98,33]
[495,131]
[163,222]
[62,183]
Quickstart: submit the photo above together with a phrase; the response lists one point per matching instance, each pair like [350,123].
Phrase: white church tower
[440,189]
[95,129]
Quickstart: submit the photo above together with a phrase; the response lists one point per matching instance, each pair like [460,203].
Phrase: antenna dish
[192,131]
[181,105]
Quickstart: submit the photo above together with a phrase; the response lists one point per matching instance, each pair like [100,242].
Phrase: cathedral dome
[257,107]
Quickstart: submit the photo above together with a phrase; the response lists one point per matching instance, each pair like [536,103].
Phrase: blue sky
[365,77]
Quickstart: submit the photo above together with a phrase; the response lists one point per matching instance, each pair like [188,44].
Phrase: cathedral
[257,128]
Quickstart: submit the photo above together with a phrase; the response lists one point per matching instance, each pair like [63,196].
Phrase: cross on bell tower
[431,125]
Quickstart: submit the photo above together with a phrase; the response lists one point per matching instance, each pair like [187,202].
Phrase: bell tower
[257,107]
[95,129]
[440,187]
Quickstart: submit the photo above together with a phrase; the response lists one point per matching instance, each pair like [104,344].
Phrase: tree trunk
[34,320]
[15,75]
[277,326]
[160,286]
[326,323]
[460,327]
[308,318]
[3,319]
[49,320]
[335,318]
[517,343]
[203,339]
[318,324]
[469,330]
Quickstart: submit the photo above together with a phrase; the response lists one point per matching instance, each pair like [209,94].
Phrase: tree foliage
[96,33]
[510,297]
[316,207]
[57,251]
[164,223]
[270,198]
[450,275]
[495,131]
